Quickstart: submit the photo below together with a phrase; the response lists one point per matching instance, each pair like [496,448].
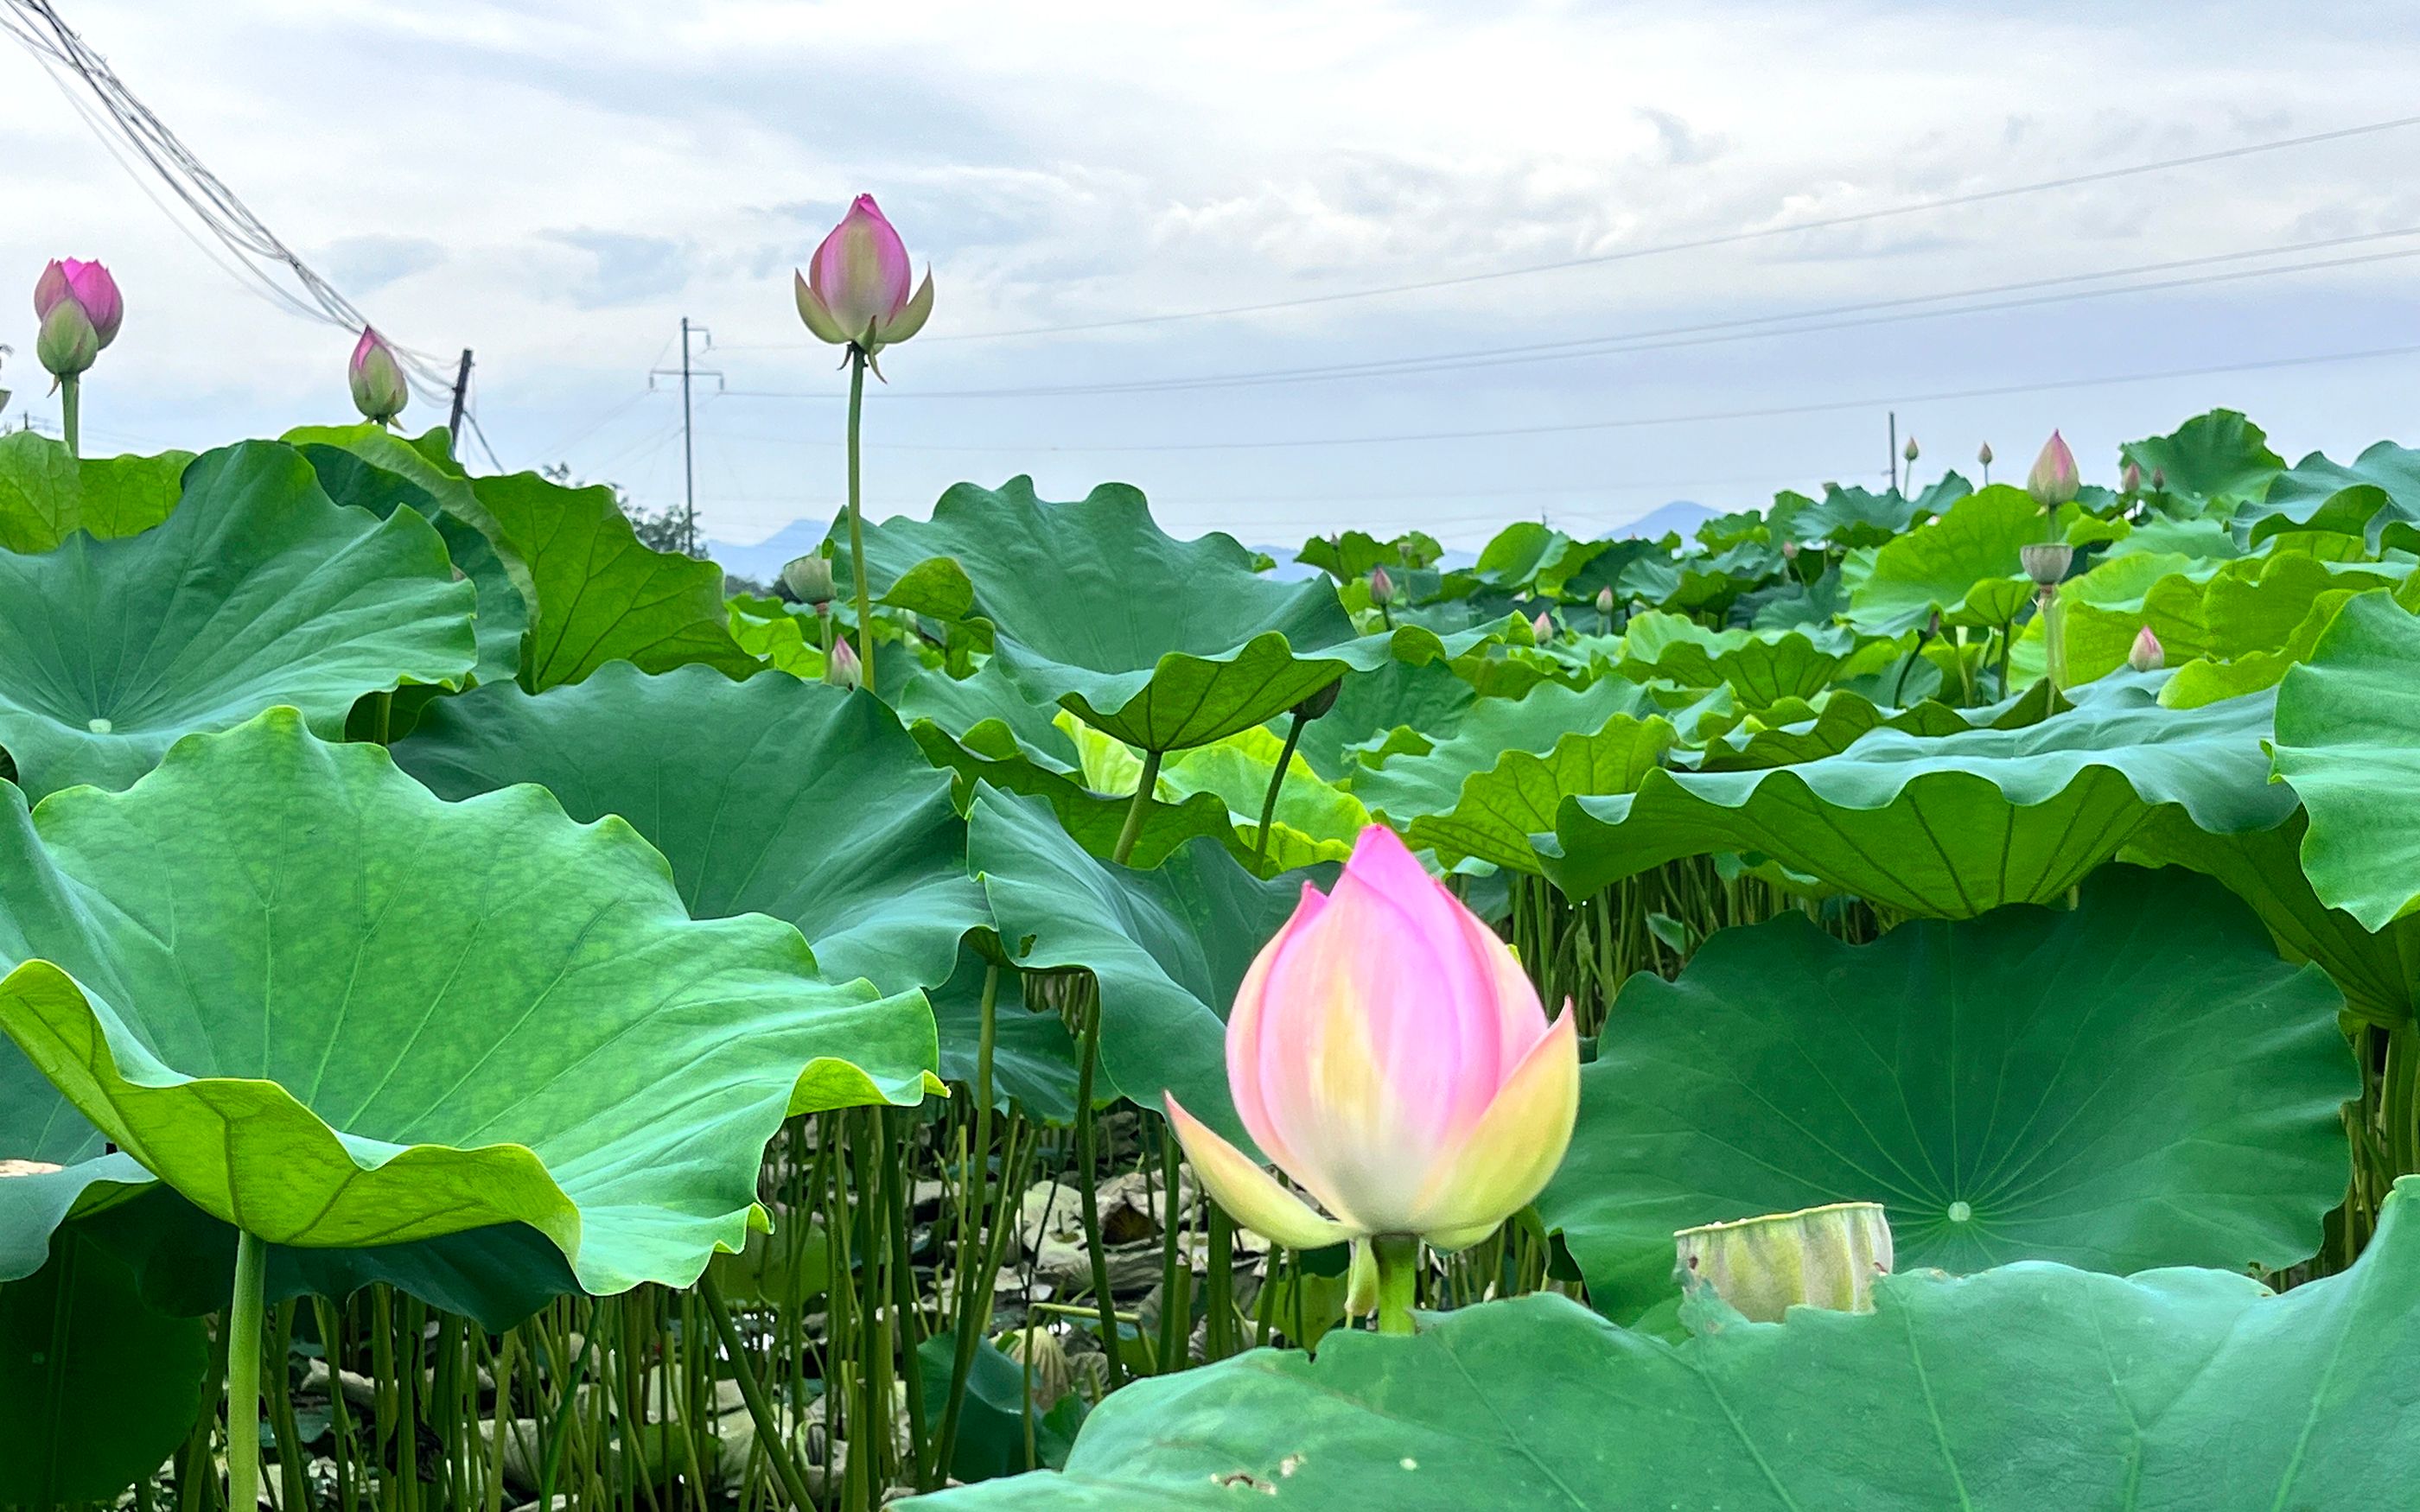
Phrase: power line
[1640,422]
[1696,243]
[1742,328]
[219,211]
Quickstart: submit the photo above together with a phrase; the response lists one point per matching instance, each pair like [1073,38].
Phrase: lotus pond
[491,1021]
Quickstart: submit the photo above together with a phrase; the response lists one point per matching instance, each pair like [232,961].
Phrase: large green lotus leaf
[366,467]
[1948,826]
[1844,518]
[1315,820]
[2377,972]
[1354,553]
[2134,1083]
[96,1388]
[1500,808]
[1411,784]
[2023,1389]
[983,729]
[47,494]
[255,590]
[2213,461]
[1846,716]
[793,799]
[331,1009]
[2246,607]
[1964,565]
[1528,557]
[2377,498]
[1163,643]
[1400,702]
[600,595]
[2349,740]
[1761,669]
[1168,945]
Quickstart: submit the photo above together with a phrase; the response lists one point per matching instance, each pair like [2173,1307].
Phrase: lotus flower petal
[1250,1196]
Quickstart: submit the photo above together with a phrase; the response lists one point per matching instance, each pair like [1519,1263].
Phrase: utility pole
[1894,450]
[688,428]
[462,393]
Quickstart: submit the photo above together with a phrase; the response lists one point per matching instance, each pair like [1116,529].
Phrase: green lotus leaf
[2134,1083]
[256,590]
[1315,821]
[1948,826]
[2376,500]
[47,494]
[2239,609]
[338,1012]
[1761,669]
[1526,557]
[1846,716]
[1500,808]
[1354,553]
[96,1388]
[2379,973]
[600,595]
[1168,945]
[2026,1388]
[1162,643]
[367,468]
[983,728]
[1399,702]
[2349,740]
[1963,565]
[795,799]
[2213,461]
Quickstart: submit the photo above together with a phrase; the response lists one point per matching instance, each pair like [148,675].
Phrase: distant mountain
[765,560]
[1679,515]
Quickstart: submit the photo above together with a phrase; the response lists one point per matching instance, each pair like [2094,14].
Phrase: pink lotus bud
[1983,454]
[1909,451]
[2130,481]
[2146,654]
[842,667]
[379,391]
[1605,599]
[67,344]
[1824,1257]
[1542,628]
[1789,550]
[1382,588]
[2159,480]
[2053,481]
[89,285]
[855,289]
[1386,1052]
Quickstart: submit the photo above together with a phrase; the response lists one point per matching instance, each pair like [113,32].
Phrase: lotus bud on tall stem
[856,293]
[1382,593]
[80,310]
[375,378]
[1983,459]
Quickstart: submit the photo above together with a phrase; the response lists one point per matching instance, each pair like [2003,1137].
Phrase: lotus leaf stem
[245,1309]
[1277,783]
[770,1436]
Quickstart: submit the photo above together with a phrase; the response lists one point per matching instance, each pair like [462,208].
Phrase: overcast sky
[556,185]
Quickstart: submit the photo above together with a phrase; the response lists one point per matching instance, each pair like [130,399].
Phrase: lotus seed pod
[1053,1378]
[2146,654]
[2046,561]
[1320,703]
[1382,588]
[1824,1257]
[808,579]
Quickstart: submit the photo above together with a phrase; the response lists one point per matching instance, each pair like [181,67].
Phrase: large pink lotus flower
[856,291]
[90,287]
[379,391]
[1388,1054]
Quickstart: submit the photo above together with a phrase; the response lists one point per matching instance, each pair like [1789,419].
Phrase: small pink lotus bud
[2159,480]
[1789,550]
[842,667]
[1909,451]
[1382,588]
[2053,481]
[1983,454]
[1542,628]
[1605,599]
[379,391]
[2130,481]
[1387,1053]
[2146,656]
[855,290]
[89,285]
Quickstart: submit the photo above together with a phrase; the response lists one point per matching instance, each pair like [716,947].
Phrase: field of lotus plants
[1898,1000]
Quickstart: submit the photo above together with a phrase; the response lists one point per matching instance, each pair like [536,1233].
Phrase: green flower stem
[1219,1289]
[771,1439]
[856,519]
[1086,1173]
[2054,637]
[71,412]
[1276,782]
[1399,1270]
[1142,802]
[974,1290]
[1175,1302]
[244,1311]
